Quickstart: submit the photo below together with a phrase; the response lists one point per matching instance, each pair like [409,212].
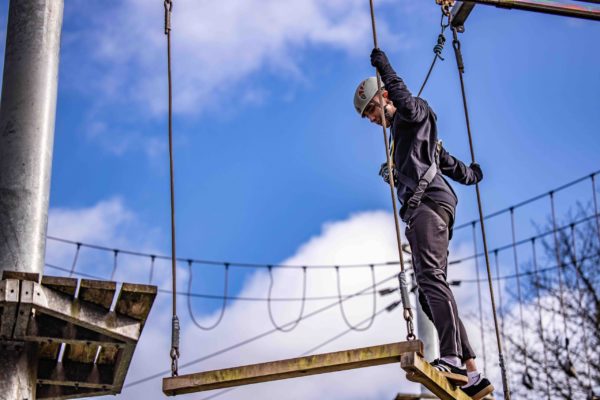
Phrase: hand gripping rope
[175,321]
[408,314]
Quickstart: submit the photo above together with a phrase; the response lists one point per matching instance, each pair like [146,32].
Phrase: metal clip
[168,9]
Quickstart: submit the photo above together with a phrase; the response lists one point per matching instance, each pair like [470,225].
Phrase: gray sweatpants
[428,234]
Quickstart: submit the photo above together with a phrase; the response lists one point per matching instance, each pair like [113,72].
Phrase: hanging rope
[75,258]
[461,70]
[408,314]
[175,320]
[439,47]
[527,379]
[290,327]
[537,284]
[223,304]
[344,316]
[483,352]
[582,309]
[152,261]
[593,176]
[114,270]
[568,364]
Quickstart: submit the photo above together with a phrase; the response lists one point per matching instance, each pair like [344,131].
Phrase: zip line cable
[223,305]
[259,336]
[461,69]
[302,304]
[407,314]
[175,320]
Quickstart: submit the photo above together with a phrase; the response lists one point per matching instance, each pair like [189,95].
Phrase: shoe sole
[483,392]
[455,379]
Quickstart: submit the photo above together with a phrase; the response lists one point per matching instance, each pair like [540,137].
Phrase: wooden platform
[407,353]
[291,368]
[97,342]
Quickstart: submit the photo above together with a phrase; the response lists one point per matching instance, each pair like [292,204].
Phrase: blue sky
[268,147]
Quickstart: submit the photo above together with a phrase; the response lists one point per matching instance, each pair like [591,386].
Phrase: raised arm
[411,109]
[458,171]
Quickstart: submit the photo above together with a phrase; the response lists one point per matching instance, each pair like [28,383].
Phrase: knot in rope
[439,47]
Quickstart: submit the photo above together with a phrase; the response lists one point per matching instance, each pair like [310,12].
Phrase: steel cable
[595,197]
[461,69]
[114,270]
[223,305]
[482,332]
[259,336]
[343,312]
[152,260]
[75,258]
[407,314]
[539,307]
[437,50]
[302,304]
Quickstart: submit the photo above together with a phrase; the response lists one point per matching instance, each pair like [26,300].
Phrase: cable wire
[114,270]
[259,336]
[344,316]
[302,304]
[541,321]
[223,305]
[482,332]
[461,69]
[75,258]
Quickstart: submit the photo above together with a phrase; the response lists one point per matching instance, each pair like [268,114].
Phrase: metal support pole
[545,7]
[27,114]
[427,334]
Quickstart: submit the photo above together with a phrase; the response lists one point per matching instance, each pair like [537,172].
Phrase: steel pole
[545,7]
[27,114]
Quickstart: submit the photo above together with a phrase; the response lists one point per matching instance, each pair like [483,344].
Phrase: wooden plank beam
[291,368]
[419,370]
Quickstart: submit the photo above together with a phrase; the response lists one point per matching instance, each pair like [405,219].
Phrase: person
[428,209]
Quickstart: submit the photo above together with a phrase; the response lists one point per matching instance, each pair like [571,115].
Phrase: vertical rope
[152,261]
[461,70]
[593,176]
[541,322]
[75,258]
[114,270]
[175,321]
[408,314]
[582,308]
[519,296]
[483,352]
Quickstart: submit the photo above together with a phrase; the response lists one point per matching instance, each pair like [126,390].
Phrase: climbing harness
[357,327]
[407,314]
[223,304]
[461,69]
[292,325]
[175,320]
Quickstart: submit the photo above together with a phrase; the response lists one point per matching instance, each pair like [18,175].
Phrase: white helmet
[365,93]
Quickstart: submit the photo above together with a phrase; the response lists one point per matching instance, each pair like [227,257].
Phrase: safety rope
[223,304]
[568,364]
[152,262]
[461,70]
[114,270]
[527,379]
[343,312]
[75,258]
[290,327]
[407,314]
[438,48]
[175,320]
[483,352]
[536,283]
[582,308]
[593,177]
